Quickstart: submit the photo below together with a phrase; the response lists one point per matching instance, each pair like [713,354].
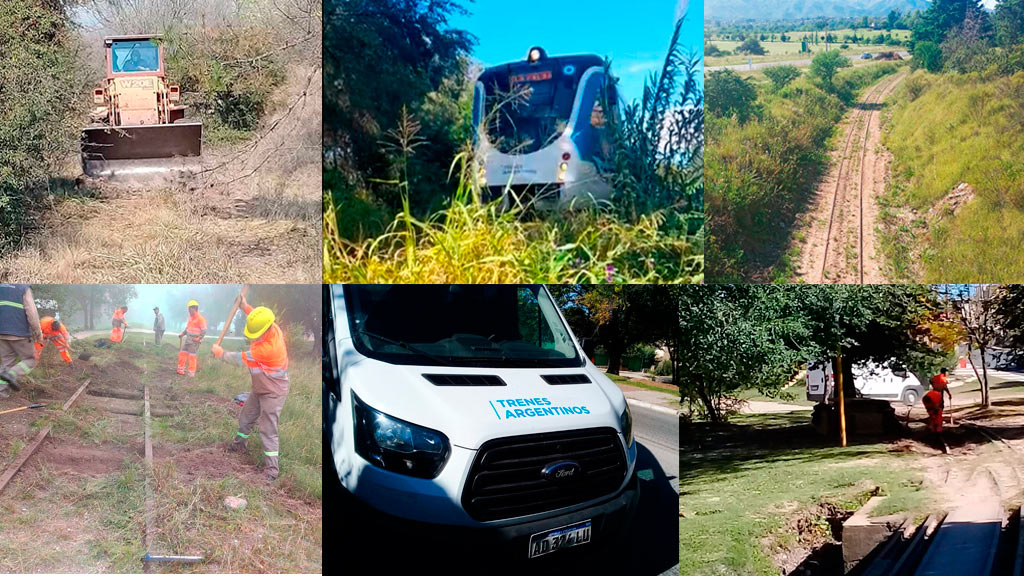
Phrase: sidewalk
[662,401]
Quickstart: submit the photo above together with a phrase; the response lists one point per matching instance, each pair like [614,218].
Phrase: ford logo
[561,471]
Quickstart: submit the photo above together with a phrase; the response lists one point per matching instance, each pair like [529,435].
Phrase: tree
[1009,312]
[727,94]
[381,56]
[1009,22]
[734,338]
[928,55]
[751,46]
[781,76]
[825,65]
[892,19]
[966,45]
[976,308]
[942,16]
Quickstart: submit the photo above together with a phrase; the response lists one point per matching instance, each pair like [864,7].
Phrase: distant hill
[796,9]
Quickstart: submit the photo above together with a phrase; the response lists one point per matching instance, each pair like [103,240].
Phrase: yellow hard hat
[192,303]
[259,321]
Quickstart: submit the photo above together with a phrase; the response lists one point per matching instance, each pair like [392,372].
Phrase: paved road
[655,545]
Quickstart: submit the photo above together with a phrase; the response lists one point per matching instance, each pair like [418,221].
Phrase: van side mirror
[588,345]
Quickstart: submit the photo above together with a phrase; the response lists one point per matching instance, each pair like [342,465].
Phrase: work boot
[269,477]
[237,447]
[11,380]
[4,393]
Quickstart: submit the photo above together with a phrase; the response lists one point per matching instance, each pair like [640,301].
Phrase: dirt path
[838,243]
[252,215]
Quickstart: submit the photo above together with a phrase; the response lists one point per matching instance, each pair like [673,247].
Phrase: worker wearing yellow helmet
[194,332]
[267,361]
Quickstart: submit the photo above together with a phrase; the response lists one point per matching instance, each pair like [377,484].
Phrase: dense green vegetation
[40,92]
[402,199]
[766,157]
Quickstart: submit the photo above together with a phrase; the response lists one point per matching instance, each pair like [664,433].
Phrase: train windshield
[528,105]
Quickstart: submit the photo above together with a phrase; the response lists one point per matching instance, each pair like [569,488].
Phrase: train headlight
[563,167]
[535,54]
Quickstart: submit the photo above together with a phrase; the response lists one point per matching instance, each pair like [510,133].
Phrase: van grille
[506,479]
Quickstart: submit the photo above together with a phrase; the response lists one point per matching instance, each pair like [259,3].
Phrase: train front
[543,136]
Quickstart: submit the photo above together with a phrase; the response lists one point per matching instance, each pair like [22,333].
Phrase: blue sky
[633,33]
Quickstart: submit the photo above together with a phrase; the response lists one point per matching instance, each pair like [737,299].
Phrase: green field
[782,51]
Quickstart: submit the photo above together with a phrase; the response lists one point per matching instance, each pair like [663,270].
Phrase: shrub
[781,76]
[729,95]
[229,73]
[41,91]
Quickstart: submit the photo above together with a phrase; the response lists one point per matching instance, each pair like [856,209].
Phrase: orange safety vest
[196,326]
[267,360]
[118,318]
[49,333]
[940,382]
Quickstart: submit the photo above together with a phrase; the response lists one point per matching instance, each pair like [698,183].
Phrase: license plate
[565,537]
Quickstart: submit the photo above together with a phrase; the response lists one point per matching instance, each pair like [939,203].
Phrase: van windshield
[478,326]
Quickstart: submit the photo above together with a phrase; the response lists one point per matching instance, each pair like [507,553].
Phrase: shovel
[37,405]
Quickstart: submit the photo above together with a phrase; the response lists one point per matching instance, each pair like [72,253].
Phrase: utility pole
[842,400]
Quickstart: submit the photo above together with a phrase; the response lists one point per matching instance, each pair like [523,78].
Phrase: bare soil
[837,241]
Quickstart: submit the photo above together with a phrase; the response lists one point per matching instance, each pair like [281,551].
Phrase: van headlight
[396,445]
[626,425]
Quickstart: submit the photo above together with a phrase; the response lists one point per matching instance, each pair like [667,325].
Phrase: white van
[473,408]
[883,382]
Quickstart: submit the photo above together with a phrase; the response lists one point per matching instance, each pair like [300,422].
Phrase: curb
[655,407]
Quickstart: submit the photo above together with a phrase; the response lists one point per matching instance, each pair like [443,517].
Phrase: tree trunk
[614,360]
[710,406]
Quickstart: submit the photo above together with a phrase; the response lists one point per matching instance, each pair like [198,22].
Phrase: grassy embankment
[762,174]
[769,487]
[973,132]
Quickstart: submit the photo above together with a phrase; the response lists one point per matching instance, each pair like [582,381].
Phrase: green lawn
[640,384]
[766,486]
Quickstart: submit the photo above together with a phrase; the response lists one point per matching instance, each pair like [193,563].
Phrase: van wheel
[910,397]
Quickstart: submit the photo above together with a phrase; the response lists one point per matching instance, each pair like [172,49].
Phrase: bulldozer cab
[134,55]
[138,116]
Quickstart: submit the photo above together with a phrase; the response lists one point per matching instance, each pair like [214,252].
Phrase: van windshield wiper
[407,346]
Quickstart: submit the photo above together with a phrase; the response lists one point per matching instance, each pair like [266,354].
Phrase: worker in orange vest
[267,361]
[194,332]
[55,333]
[119,326]
[934,402]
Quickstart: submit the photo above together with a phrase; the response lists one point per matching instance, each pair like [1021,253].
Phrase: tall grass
[974,134]
[651,231]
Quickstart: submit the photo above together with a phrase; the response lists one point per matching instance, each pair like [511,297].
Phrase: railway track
[846,214]
[964,542]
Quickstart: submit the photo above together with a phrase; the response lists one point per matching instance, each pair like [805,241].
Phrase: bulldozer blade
[109,151]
